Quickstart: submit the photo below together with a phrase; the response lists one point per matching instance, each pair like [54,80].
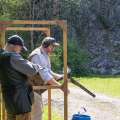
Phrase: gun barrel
[82,87]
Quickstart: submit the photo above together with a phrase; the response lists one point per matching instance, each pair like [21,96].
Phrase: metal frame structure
[6,26]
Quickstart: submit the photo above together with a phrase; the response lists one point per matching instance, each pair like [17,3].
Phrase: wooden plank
[42,22]
[46,87]
[27,28]
[2,28]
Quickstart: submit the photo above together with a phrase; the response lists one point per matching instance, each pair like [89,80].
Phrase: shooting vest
[16,90]
[36,80]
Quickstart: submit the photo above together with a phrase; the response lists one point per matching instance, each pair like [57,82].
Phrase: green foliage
[57,60]
[9,9]
[4,17]
[55,116]
[64,9]
[77,59]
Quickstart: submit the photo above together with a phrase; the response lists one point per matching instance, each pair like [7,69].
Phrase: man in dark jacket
[16,89]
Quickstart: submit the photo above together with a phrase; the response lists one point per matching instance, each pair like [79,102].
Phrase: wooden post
[2,107]
[49,92]
[49,104]
[65,71]
[63,25]
[48,32]
[2,39]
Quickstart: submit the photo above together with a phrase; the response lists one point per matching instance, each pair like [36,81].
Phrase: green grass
[109,85]
[55,115]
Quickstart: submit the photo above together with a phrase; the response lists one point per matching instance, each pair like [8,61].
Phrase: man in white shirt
[40,56]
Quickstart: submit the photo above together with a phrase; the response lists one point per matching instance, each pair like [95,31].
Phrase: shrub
[77,59]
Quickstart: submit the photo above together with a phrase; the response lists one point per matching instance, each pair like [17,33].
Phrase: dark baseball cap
[17,40]
[49,41]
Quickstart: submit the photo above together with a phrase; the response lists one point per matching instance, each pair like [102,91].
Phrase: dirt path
[99,108]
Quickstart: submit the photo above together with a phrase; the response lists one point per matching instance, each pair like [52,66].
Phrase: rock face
[99,28]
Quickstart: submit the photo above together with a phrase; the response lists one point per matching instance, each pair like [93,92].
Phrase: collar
[43,51]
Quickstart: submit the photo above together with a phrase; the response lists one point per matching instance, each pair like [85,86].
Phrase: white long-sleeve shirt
[40,57]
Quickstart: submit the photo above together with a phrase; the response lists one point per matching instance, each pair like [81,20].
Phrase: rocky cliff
[98,30]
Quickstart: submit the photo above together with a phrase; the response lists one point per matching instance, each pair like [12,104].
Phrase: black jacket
[17,91]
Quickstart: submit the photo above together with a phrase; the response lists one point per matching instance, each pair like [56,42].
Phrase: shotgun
[79,84]
[82,87]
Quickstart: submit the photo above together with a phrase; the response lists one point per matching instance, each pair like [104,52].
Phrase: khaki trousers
[37,107]
[25,116]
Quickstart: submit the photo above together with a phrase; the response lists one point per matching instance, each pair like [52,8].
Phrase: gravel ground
[100,108]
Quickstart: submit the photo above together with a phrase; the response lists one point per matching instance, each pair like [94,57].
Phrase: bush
[77,59]
[57,60]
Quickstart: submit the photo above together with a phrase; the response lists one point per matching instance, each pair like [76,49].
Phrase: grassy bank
[55,115]
[109,85]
